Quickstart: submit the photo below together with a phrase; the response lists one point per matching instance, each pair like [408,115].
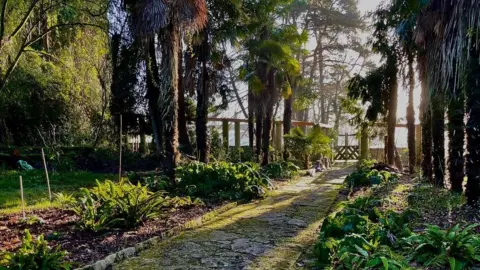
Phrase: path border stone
[130,252]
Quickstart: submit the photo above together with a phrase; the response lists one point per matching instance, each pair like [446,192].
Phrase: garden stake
[120,163]
[21,194]
[46,174]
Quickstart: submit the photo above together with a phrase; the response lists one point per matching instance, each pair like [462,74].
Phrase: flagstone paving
[268,234]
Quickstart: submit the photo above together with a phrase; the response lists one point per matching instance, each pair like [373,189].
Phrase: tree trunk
[364,143]
[270,103]
[426,121]
[184,139]
[473,127]
[456,137]
[153,95]
[143,142]
[259,117]
[412,155]
[392,120]
[170,71]
[202,101]
[251,120]
[438,137]
[287,122]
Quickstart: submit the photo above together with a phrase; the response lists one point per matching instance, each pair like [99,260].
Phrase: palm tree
[473,126]
[426,121]
[456,136]
[412,155]
[148,17]
[438,137]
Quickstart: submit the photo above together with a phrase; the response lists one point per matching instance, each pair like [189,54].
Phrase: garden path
[268,234]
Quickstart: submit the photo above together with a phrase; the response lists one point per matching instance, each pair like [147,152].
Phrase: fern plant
[35,254]
[456,247]
[120,204]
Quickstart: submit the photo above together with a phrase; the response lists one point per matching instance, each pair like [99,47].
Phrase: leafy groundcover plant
[222,180]
[362,235]
[34,255]
[120,204]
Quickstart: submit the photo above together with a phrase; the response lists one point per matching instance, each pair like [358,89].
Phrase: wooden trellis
[347,152]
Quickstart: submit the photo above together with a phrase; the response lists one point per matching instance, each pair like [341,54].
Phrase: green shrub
[435,248]
[93,217]
[64,200]
[361,223]
[222,180]
[302,146]
[35,254]
[364,176]
[281,170]
[120,204]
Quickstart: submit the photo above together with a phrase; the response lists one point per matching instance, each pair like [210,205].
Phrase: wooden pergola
[277,131]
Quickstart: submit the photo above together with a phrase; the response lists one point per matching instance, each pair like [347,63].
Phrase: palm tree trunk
[392,120]
[170,75]
[426,121]
[251,120]
[143,141]
[202,101]
[259,119]
[473,127]
[412,155]
[184,140]
[364,142]
[267,129]
[287,121]
[153,95]
[456,136]
[438,137]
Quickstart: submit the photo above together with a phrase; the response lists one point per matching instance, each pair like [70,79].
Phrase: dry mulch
[84,248]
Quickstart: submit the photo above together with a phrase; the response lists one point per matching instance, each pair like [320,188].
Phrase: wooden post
[278,136]
[46,175]
[225,136]
[346,139]
[21,194]
[237,135]
[120,151]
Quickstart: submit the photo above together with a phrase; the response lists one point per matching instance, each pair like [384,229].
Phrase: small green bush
[436,248]
[365,176]
[361,223]
[281,170]
[120,204]
[64,200]
[222,180]
[356,252]
[35,254]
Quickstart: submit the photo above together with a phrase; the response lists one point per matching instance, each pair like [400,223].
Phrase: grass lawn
[35,187]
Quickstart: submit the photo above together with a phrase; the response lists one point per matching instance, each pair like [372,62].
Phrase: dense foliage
[364,234]
[366,176]
[222,180]
[119,204]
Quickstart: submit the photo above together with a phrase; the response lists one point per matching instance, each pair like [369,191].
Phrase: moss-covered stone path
[269,234]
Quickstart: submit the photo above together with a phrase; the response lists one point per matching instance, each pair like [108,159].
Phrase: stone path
[269,234]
